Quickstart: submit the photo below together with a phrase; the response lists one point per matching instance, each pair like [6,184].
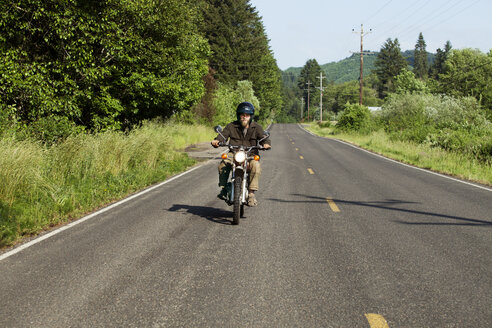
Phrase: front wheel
[238,184]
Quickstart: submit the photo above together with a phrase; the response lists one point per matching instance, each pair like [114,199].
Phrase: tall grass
[461,165]
[43,186]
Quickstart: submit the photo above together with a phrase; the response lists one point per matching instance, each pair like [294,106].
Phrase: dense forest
[84,65]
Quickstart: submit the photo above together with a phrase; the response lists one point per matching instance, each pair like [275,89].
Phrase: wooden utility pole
[302,108]
[361,78]
[320,77]
[309,89]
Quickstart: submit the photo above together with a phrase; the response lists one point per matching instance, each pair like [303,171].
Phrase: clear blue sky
[321,29]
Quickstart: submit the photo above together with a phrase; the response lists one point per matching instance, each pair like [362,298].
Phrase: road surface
[341,238]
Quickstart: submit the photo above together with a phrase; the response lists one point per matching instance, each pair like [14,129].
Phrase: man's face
[244,119]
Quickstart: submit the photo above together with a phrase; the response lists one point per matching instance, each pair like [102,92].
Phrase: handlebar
[247,149]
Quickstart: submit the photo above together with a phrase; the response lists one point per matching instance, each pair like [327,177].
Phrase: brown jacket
[234,131]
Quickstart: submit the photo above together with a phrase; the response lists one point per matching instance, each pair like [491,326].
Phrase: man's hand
[215,143]
[267,146]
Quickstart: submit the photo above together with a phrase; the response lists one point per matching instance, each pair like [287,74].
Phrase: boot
[252,200]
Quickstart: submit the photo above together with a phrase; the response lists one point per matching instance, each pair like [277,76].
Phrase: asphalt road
[341,238]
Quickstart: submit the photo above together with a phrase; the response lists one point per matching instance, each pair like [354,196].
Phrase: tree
[406,82]
[99,64]
[441,57]
[420,66]
[309,74]
[468,72]
[240,50]
[389,63]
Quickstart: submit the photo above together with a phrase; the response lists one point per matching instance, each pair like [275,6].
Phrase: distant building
[374,109]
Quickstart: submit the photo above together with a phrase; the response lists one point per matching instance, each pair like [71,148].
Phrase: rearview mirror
[218,129]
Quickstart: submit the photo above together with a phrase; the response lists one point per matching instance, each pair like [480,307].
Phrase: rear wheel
[238,184]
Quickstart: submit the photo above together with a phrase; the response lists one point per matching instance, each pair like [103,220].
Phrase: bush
[227,98]
[354,118]
[326,124]
[453,124]
[52,129]
[406,82]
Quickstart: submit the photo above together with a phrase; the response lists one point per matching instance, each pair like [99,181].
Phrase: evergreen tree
[309,74]
[420,66]
[240,50]
[441,57]
[389,64]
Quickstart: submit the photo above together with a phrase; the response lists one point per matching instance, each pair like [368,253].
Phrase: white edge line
[395,161]
[90,216]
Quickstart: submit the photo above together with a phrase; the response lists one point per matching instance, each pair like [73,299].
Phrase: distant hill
[347,69]
[409,55]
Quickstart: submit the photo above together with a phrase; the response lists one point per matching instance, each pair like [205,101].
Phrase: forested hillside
[348,69]
[345,70]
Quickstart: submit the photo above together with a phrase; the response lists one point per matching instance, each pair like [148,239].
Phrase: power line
[378,11]
[396,15]
[445,8]
[410,15]
[384,36]
[432,16]
[459,12]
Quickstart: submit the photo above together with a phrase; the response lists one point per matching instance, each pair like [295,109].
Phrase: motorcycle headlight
[240,156]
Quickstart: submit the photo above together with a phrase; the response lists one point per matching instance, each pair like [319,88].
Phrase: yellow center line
[332,204]
[301,157]
[297,149]
[376,320]
[293,142]
[310,171]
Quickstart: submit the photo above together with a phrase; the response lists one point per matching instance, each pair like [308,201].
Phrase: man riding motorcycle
[243,132]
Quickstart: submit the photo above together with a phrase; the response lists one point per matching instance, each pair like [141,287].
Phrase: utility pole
[361,79]
[309,89]
[320,77]
[302,108]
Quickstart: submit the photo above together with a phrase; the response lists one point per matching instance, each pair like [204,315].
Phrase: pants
[254,170]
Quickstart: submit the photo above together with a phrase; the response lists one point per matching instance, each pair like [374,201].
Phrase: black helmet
[245,108]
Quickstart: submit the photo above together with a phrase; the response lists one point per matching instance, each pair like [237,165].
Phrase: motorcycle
[238,182]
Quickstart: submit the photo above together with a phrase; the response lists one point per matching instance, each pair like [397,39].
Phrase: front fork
[244,171]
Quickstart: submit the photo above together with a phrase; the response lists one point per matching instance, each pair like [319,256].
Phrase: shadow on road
[387,205]
[216,215]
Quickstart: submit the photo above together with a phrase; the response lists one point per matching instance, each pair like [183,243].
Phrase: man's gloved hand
[215,143]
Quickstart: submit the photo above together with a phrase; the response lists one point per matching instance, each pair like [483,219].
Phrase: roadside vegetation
[98,99]
[43,186]
[428,110]
[441,133]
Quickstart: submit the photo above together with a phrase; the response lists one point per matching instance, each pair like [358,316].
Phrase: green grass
[45,186]
[421,155]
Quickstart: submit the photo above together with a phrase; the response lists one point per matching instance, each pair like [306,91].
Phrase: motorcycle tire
[238,184]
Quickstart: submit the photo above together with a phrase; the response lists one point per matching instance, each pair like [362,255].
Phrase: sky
[300,30]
